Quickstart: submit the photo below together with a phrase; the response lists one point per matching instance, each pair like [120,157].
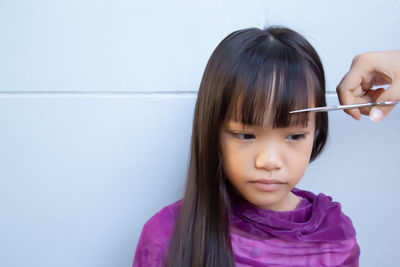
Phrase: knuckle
[356,59]
[339,88]
[363,58]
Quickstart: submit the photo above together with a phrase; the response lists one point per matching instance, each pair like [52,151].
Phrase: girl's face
[264,164]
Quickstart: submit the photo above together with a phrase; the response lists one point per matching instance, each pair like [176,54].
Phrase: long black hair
[255,76]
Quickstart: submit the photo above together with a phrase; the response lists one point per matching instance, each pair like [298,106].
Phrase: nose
[268,157]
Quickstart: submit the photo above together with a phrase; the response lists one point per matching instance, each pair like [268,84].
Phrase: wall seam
[108,93]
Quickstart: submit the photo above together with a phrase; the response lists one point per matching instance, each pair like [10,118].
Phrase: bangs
[269,83]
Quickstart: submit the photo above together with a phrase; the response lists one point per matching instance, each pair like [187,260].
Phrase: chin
[267,202]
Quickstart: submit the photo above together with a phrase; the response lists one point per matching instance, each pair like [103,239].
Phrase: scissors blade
[341,107]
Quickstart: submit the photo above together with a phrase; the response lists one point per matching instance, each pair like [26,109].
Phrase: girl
[241,207]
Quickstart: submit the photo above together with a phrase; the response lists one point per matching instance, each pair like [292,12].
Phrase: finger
[376,114]
[348,87]
[381,78]
[356,97]
[346,97]
[360,73]
[381,95]
[355,113]
[370,96]
[365,111]
[367,82]
[375,94]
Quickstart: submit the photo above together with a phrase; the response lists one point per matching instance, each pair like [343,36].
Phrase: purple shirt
[316,233]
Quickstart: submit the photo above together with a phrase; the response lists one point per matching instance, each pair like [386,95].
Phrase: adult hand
[369,70]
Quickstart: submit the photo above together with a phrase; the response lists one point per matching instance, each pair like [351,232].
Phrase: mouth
[267,184]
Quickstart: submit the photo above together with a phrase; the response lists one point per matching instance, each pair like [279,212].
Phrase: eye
[244,136]
[296,137]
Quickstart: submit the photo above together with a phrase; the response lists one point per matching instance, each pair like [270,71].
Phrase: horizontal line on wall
[331,94]
[98,94]
[109,94]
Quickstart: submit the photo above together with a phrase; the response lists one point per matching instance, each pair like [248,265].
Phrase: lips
[268,181]
[268,185]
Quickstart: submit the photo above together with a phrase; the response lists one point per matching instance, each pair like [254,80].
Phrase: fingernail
[376,114]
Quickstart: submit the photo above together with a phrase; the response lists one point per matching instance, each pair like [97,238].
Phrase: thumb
[392,93]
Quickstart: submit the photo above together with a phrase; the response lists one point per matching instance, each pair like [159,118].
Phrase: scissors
[352,106]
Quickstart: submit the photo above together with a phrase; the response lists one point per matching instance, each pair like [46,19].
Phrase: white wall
[96,105]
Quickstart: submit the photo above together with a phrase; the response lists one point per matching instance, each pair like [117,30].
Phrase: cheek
[230,164]
[234,164]
[301,158]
